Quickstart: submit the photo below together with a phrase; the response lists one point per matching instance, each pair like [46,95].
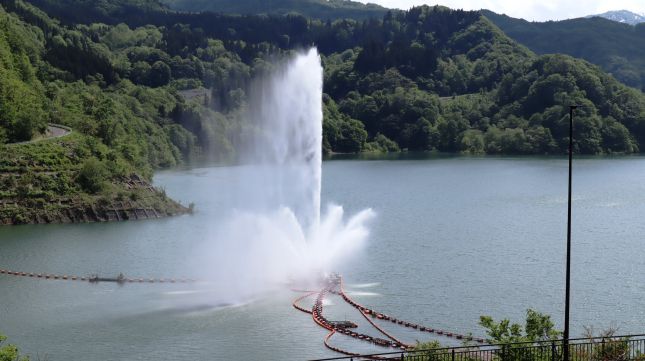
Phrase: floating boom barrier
[331,285]
[120,279]
[334,285]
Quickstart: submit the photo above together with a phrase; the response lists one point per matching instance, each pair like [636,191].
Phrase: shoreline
[152,204]
[51,181]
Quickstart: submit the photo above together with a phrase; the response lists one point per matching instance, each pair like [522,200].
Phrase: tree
[513,338]
[340,132]
[426,351]
[352,136]
[616,137]
[93,176]
[537,327]
[381,143]
[159,74]
[472,142]
[10,352]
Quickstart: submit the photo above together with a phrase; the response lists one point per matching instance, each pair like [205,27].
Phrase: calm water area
[454,238]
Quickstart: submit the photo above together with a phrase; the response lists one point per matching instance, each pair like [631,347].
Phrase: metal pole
[565,351]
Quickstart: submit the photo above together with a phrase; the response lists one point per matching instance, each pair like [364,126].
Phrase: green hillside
[320,9]
[389,83]
[617,48]
[21,92]
[80,11]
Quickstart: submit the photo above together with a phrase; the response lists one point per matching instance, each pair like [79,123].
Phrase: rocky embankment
[66,180]
[149,203]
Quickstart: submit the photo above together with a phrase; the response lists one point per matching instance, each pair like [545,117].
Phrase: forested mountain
[426,79]
[622,16]
[617,48]
[319,9]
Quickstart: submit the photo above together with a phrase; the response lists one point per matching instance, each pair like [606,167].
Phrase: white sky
[534,10]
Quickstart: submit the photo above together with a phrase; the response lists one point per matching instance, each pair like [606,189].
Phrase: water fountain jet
[277,232]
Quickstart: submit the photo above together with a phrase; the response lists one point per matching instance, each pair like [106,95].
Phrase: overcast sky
[537,10]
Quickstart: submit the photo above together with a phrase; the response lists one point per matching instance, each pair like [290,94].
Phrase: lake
[454,238]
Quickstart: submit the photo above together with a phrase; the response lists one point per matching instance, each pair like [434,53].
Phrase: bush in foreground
[10,352]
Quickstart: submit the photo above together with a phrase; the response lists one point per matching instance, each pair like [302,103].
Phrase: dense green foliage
[82,81]
[427,351]
[21,107]
[80,11]
[537,327]
[321,9]
[537,340]
[163,85]
[10,352]
[618,48]
[512,339]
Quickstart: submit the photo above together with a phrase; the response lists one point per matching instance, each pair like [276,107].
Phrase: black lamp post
[568,272]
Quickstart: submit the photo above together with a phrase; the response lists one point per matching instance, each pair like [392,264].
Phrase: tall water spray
[277,232]
[286,109]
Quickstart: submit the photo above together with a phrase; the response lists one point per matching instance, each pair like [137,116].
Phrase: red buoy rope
[297,301]
[95,279]
[335,285]
[365,310]
[360,309]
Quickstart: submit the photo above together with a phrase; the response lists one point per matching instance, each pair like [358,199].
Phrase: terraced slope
[62,180]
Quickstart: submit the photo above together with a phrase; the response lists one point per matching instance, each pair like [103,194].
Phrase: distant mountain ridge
[320,9]
[617,48]
[622,16]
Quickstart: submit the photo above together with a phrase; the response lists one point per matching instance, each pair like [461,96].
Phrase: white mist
[277,233]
